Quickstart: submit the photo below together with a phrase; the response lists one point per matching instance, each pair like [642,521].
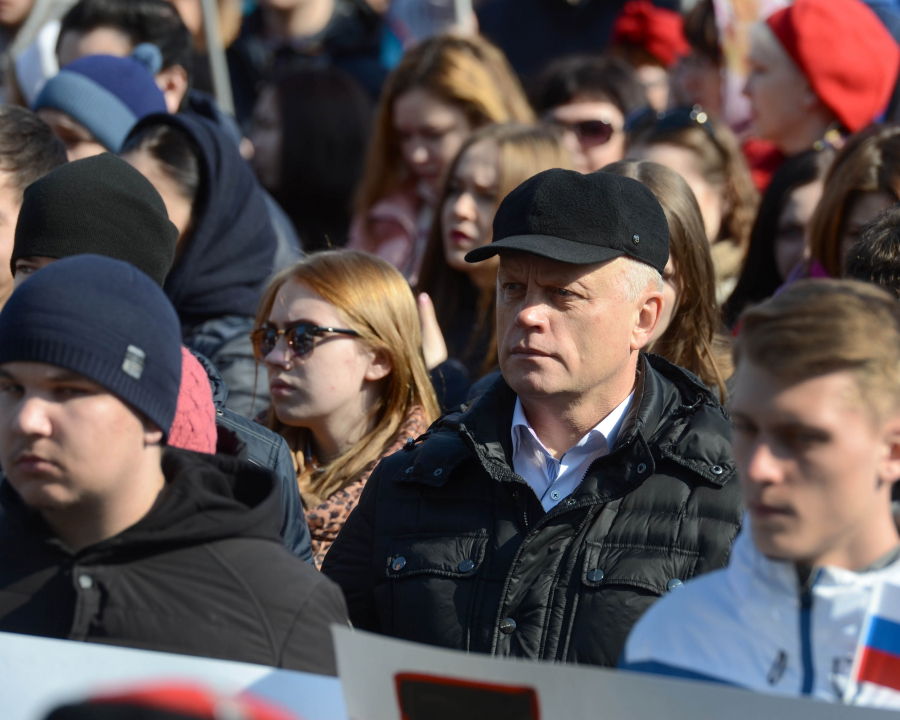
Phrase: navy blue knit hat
[104,319]
[107,94]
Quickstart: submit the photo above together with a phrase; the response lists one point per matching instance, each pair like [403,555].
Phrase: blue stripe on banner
[884,635]
[651,667]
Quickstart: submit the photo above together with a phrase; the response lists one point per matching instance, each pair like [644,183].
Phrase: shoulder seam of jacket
[217,556]
[300,610]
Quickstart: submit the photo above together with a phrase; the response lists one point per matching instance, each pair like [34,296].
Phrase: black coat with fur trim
[203,573]
[449,546]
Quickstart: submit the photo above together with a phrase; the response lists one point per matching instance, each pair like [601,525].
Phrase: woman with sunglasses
[689,331]
[706,154]
[339,336]
[589,99]
[443,90]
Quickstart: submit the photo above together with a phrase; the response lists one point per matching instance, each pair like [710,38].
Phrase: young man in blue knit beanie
[108,535]
[94,102]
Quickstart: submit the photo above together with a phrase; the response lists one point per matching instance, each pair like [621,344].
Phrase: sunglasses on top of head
[300,338]
[668,120]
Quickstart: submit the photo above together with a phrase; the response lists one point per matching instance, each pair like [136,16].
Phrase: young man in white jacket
[816,411]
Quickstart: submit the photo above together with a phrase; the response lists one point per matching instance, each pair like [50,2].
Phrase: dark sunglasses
[591,132]
[669,120]
[300,338]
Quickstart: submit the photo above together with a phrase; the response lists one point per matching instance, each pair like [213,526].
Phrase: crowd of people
[574,340]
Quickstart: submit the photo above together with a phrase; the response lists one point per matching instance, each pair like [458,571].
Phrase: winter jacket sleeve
[349,562]
[295,530]
[308,646]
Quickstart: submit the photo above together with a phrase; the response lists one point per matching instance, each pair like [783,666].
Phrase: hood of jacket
[672,412]
[207,498]
[231,249]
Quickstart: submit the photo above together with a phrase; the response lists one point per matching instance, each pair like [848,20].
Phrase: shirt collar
[605,432]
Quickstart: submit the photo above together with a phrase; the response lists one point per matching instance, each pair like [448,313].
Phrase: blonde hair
[470,73]
[377,302]
[869,162]
[523,152]
[816,327]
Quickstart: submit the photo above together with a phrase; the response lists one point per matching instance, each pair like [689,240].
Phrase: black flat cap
[580,219]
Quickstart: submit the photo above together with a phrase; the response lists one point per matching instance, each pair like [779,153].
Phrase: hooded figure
[226,246]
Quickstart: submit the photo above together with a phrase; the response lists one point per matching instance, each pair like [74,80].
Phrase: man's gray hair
[638,277]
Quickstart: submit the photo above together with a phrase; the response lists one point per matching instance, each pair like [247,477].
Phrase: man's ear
[646,318]
[380,366]
[152,435]
[173,82]
[889,472]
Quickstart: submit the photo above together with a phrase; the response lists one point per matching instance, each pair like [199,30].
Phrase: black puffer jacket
[203,573]
[449,546]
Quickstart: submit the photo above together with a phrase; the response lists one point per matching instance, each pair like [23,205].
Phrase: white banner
[38,674]
[435,684]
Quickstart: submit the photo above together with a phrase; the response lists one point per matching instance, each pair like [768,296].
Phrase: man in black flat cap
[545,517]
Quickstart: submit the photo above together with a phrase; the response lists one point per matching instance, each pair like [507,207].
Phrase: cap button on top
[466,565]
[636,239]
[399,564]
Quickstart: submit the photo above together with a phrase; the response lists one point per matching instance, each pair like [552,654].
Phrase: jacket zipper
[806,650]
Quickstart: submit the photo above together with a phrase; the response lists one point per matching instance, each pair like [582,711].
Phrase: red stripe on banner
[880,668]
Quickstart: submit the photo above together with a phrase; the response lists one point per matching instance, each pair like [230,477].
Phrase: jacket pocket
[454,556]
[656,569]
[431,587]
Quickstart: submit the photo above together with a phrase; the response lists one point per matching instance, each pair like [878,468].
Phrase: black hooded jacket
[449,546]
[218,280]
[203,573]
[231,250]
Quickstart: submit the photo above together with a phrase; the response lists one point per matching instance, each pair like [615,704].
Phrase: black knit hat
[98,205]
[103,319]
[580,219]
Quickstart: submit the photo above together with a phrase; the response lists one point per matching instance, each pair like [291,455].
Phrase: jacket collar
[665,399]
[752,574]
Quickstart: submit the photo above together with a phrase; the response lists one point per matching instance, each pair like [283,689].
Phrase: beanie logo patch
[133,364]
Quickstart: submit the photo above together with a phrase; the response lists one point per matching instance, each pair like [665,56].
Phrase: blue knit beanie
[103,319]
[107,94]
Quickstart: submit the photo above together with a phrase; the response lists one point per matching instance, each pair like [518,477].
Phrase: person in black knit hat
[98,205]
[107,535]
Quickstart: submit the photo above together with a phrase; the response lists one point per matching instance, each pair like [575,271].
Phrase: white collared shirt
[552,479]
